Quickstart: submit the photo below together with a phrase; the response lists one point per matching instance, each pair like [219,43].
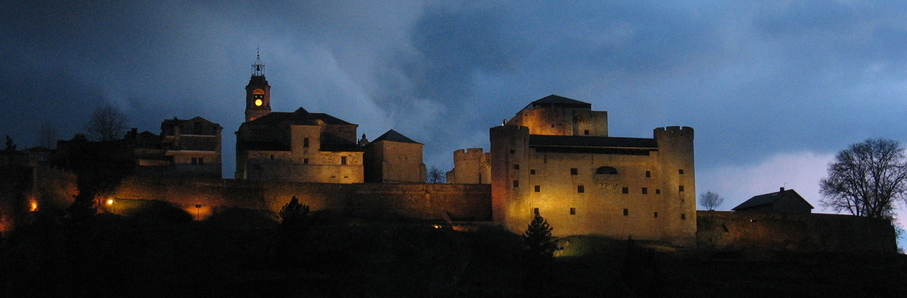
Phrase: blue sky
[773,88]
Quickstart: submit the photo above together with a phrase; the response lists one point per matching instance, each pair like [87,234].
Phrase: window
[657,191]
[343,160]
[656,214]
[512,151]
[586,132]
[680,171]
[683,216]
[305,160]
[680,188]
[532,172]
[606,170]
[516,167]
[625,190]
[538,188]
[626,212]
[516,183]
[580,189]
[194,161]
[645,190]
[272,156]
[648,174]
[572,211]
[305,142]
[535,211]
[573,171]
[201,160]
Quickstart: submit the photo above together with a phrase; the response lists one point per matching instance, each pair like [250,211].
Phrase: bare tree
[435,175]
[710,200]
[107,123]
[866,178]
[47,136]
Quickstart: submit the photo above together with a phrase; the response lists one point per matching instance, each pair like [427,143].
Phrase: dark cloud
[756,80]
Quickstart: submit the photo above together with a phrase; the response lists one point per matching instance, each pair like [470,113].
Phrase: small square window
[656,214]
[645,190]
[625,190]
[573,171]
[580,189]
[572,211]
[305,142]
[657,191]
[516,167]
[680,188]
[680,171]
[532,172]
[516,183]
[683,216]
[201,160]
[586,132]
[648,174]
[626,212]
[538,188]
[305,160]
[512,151]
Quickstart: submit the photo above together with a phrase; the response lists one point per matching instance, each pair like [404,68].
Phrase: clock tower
[258,92]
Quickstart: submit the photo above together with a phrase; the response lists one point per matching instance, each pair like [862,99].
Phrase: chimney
[782,189]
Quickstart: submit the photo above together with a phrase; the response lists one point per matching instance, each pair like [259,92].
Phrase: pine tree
[538,243]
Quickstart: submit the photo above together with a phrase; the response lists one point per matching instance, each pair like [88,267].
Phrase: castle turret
[258,92]
[675,158]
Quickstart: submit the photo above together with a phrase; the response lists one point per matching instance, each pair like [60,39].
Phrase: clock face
[258,102]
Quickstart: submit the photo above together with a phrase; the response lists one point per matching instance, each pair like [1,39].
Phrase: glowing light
[33,206]
[109,201]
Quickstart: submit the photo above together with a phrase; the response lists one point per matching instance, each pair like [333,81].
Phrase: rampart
[426,201]
[793,232]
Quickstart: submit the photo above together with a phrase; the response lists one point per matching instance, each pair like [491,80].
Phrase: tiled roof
[559,101]
[584,141]
[767,199]
[393,135]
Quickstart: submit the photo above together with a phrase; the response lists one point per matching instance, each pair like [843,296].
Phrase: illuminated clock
[258,102]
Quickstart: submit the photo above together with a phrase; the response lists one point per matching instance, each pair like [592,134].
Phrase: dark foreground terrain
[245,253]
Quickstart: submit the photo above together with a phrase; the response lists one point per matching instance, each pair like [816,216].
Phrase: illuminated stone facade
[393,158]
[555,158]
[299,147]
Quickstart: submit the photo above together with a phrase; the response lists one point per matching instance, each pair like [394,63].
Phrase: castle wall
[394,162]
[793,232]
[29,188]
[426,201]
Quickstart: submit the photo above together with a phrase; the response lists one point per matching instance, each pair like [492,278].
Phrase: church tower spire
[258,92]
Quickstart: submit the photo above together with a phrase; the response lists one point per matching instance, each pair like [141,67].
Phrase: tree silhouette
[710,200]
[107,123]
[866,178]
[538,249]
[435,175]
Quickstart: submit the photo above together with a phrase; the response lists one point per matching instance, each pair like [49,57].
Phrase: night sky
[773,89]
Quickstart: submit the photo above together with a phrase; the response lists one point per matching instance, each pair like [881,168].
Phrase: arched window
[606,170]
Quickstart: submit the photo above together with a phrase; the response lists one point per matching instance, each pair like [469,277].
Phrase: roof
[768,199]
[298,117]
[176,121]
[558,101]
[586,141]
[394,136]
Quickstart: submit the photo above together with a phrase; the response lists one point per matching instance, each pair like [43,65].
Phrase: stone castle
[555,158]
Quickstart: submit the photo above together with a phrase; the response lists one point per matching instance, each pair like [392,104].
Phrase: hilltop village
[554,158]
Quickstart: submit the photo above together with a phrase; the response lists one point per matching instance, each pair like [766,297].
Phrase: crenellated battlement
[681,131]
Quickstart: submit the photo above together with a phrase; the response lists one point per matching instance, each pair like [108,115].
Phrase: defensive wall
[30,188]
[470,202]
[752,231]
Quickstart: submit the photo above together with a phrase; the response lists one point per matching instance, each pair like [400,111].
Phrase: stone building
[185,147]
[555,158]
[393,158]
